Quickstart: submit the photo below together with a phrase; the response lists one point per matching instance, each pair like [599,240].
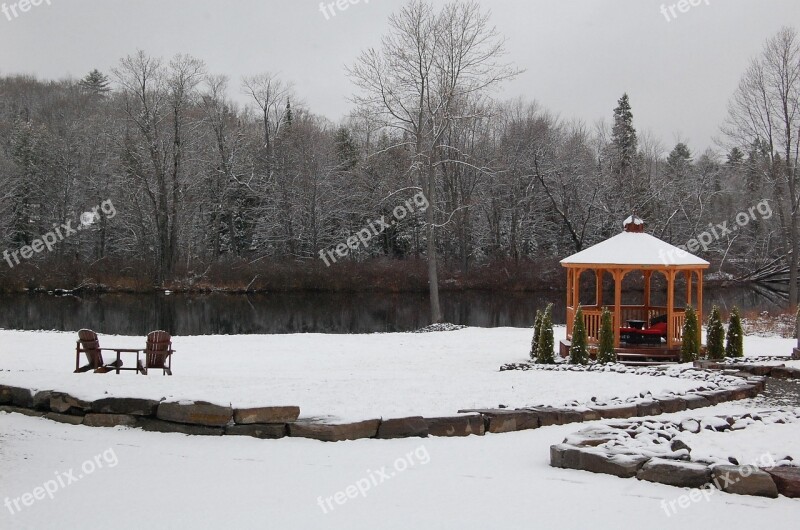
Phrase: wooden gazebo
[634,251]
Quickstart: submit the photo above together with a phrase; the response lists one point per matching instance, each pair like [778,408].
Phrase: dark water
[208,314]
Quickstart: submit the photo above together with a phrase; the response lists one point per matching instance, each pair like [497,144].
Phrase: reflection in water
[207,314]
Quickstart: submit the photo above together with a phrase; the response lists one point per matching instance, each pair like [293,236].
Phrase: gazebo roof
[635,248]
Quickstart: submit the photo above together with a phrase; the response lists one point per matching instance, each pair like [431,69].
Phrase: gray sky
[579,55]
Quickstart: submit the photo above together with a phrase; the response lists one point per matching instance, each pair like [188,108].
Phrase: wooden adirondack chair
[89,344]
[157,353]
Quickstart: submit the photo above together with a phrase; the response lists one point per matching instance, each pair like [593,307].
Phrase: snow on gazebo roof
[634,247]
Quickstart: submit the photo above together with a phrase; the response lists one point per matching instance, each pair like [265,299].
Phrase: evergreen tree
[715,339]
[734,339]
[605,350]
[579,350]
[95,83]
[626,144]
[537,325]
[346,150]
[544,350]
[690,347]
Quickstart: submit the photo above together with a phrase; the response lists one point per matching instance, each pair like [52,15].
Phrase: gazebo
[645,329]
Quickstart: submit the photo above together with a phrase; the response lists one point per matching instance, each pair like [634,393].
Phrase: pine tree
[624,140]
[734,339]
[537,325]
[715,340]
[95,82]
[605,350]
[689,344]
[579,350]
[544,349]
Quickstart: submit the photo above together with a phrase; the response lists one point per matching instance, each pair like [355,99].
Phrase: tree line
[213,191]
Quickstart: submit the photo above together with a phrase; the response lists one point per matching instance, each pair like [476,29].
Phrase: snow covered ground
[126,478]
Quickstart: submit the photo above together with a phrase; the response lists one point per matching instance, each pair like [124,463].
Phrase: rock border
[650,450]
[208,419]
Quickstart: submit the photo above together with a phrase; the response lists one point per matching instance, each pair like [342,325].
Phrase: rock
[782,372]
[264,431]
[616,411]
[689,425]
[590,438]
[328,432]
[677,444]
[671,404]
[796,354]
[41,400]
[648,408]
[588,414]
[504,420]
[415,426]
[133,406]
[195,413]
[565,456]
[787,480]
[64,418]
[675,473]
[154,425]
[548,416]
[64,403]
[266,415]
[623,466]
[16,396]
[109,420]
[716,397]
[695,401]
[456,425]
[744,480]
[739,392]
[20,410]
[567,416]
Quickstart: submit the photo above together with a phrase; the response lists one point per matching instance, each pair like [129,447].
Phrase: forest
[219,183]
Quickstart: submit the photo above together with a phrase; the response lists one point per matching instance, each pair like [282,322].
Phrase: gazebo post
[647,274]
[670,307]
[688,287]
[700,306]
[617,306]
[598,274]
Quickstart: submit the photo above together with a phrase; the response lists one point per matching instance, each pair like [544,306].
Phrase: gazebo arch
[636,327]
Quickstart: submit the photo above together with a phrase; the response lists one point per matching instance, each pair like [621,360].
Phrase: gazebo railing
[592,318]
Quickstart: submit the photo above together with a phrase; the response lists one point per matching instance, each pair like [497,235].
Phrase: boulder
[456,425]
[588,414]
[41,400]
[265,431]
[328,432]
[739,392]
[567,416]
[5,395]
[782,372]
[675,473]
[671,404]
[547,415]
[505,420]
[695,401]
[565,456]
[623,466]
[64,418]
[64,403]
[195,413]
[616,411]
[266,415]
[154,425]
[415,426]
[20,410]
[648,408]
[744,480]
[16,396]
[716,397]
[109,420]
[133,406]
[787,480]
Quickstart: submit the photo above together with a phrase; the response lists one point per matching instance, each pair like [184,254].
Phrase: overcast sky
[579,56]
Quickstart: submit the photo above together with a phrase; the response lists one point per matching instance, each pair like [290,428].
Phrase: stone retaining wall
[208,419]
[761,370]
[649,450]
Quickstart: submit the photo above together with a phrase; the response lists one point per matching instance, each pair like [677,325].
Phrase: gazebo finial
[633,223]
